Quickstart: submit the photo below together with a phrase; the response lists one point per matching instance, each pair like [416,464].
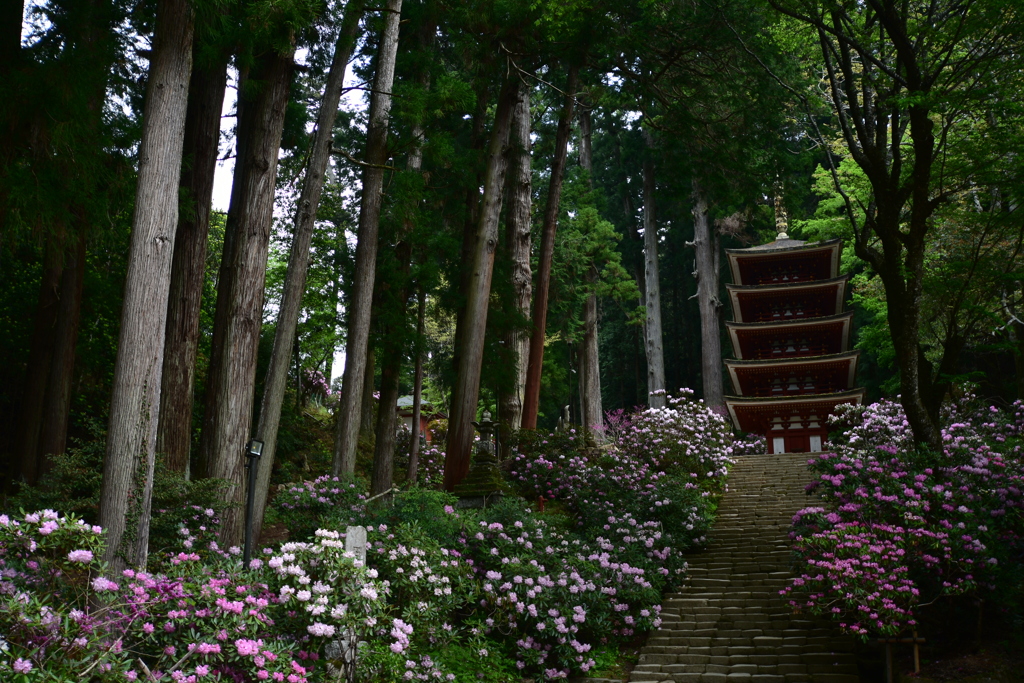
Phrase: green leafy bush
[72,487]
[324,503]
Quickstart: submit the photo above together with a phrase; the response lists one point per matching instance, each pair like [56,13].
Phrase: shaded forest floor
[991,662]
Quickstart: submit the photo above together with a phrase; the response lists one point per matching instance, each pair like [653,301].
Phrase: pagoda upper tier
[785,261]
[776,303]
[791,340]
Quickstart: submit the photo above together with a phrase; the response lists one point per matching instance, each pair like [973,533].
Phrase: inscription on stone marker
[355,542]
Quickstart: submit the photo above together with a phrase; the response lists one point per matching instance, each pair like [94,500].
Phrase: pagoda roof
[740,292]
[737,368]
[782,250]
[753,414]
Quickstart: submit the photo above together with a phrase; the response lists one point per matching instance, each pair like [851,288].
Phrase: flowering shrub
[446,595]
[62,619]
[649,493]
[550,465]
[430,470]
[900,527]
[750,444]
[685,435]
[556,594]
[316,387]
[325,502]
[73,487]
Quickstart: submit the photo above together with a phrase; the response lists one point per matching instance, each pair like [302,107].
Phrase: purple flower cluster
[900,527]
[557,595]
[648,490]
[324,502]
[204,617]
[685,435]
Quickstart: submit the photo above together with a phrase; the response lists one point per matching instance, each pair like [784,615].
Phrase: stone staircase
[729,624]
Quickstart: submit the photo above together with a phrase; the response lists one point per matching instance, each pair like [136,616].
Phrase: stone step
[728,623]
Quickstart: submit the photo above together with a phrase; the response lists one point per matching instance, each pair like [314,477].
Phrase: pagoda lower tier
[793,424]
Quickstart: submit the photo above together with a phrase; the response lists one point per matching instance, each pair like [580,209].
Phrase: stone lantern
[483,484]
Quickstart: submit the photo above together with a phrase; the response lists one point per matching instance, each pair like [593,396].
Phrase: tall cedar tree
[135,404]
[591,413]
[531,393]
[181,344]
[82,70]
[399,290]
[518,239]
[653,343]
[474,320]
[350,408]
[706,244]
[263,99]
[298,258]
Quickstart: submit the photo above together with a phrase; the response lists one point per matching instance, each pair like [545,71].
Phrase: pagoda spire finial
[781,222]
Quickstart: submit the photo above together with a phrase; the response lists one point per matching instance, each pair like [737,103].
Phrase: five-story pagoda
[791,341]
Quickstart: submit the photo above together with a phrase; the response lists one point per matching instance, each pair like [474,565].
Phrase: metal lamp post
[252,458]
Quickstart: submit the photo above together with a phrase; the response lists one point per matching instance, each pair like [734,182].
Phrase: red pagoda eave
[823,255]
[756,414]
[745,297]
[835,329]
[741,371]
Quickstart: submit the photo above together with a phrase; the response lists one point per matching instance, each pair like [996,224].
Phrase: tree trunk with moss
[127,487]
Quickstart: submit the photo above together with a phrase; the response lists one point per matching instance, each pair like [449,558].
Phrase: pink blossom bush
[556,594]
[203,617]
[898,528]
[659,472]
[324,502]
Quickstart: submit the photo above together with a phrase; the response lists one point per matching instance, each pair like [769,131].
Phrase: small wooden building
[791,341]
[427,415]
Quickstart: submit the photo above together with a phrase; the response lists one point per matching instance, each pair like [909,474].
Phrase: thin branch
[523,72]
[341,152]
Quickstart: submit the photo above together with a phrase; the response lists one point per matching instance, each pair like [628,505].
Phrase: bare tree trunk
[417,390]
[239,317]
[706,272]
[40,357]
[54,433]
[366,421]
[531,394]
[383,475]
[394,336]
[392,343]
[127,487]
[518,240]
[350,409]
[467,383]
[591,411]
[298,261]
[181,344]
[652,288]
[477,142]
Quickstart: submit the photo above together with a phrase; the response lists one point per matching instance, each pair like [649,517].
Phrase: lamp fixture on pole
[253,451]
